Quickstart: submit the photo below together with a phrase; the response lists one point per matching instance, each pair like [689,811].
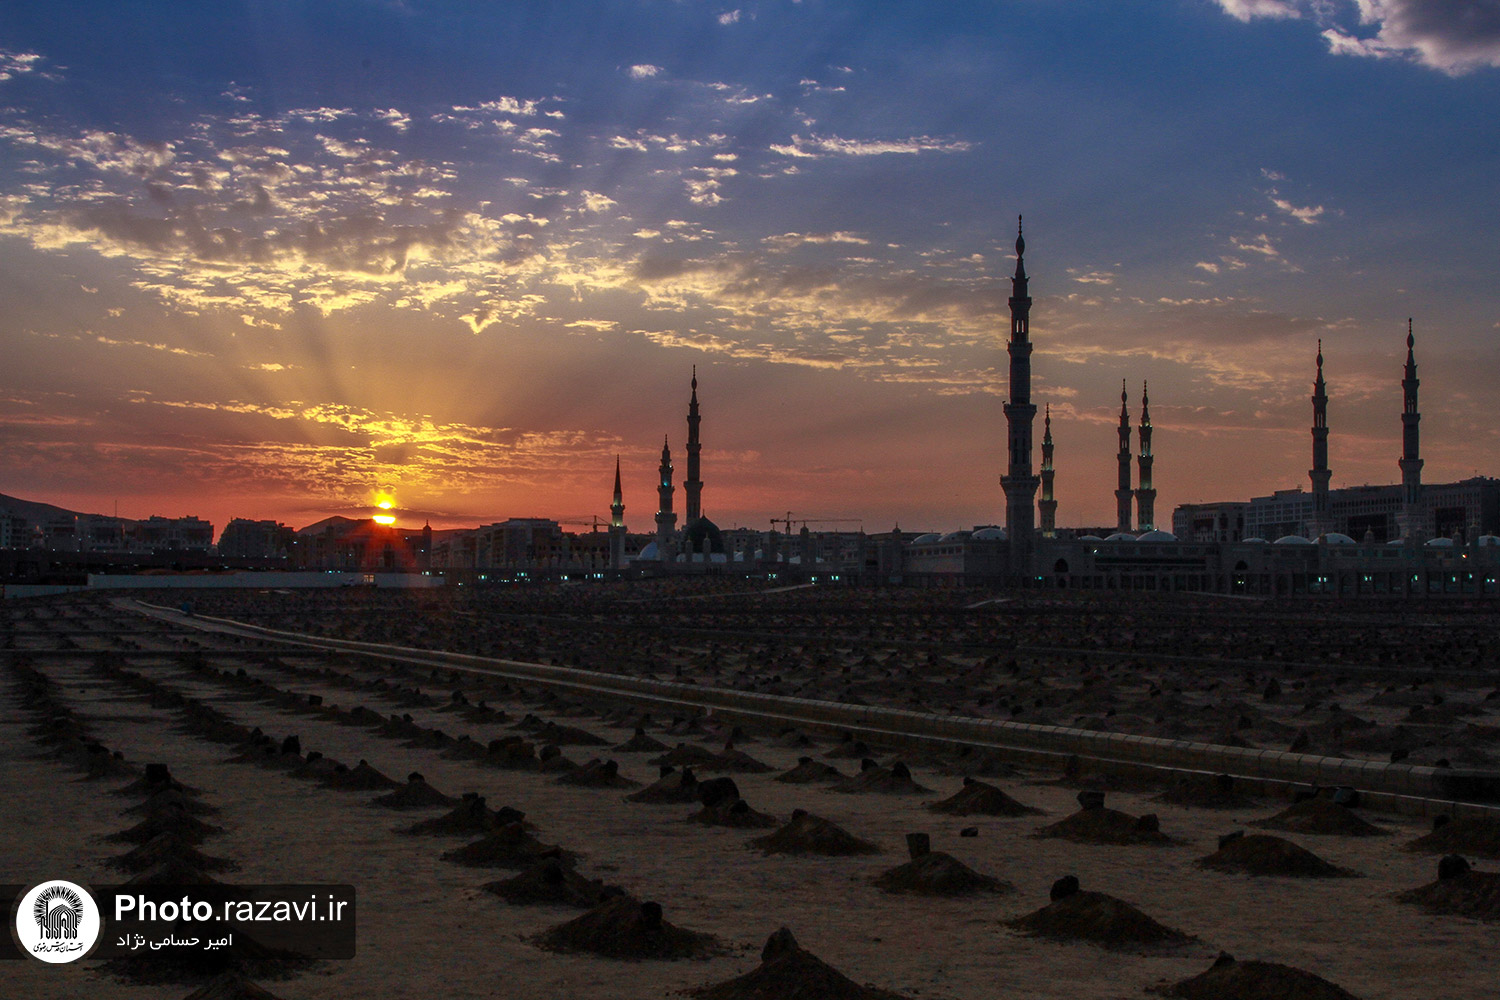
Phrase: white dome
[926,539]
[1292,540]
[1440,543]
[1091,538]
[1121,536]
[955,536]
[990,535]
[648,554]
[1396,541]
[1336,538]
[1484,540]
[718,557]
[1254,541]
[1157,535]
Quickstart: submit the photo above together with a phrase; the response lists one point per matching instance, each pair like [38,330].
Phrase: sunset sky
[274,259]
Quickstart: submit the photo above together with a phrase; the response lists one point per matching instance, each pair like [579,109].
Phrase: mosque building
[1402,539]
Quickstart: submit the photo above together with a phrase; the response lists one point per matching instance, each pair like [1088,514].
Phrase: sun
[384,502]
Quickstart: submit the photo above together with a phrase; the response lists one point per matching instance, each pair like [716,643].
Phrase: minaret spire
[692,487]
[1047,505]
[1122,487]
[666,521]
[1018,482]
[1412,521]
[1145,495]
[1319,473]
[617,524]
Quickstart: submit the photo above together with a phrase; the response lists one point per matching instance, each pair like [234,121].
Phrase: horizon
[294,263]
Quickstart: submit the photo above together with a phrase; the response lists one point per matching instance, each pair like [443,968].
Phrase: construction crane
[789,520]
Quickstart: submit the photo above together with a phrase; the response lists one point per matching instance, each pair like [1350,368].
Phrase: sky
[285,260]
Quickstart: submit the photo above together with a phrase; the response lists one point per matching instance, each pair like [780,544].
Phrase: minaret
[1411,465]
[1145,496]
[1018,482]
[1122,489]
[617,524]
[666,521]
[1047,505]
[692,487]
[1319,473]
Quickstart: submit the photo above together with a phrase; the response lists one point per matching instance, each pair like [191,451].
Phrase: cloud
[595,202]
[1246,10]
[644,71]
[14,64]
[786,241]
[817,146]
[730,17]
[1308,215]
[1453,36]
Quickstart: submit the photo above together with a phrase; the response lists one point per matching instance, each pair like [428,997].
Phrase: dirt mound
[1105,826]
[787,971]
[1321,817]
[809,834]
[1231,980]
[641,743]
[598,774]
[168,847]
[1467,835]
[673,786]
[508,847]
[850,749]
[470,816]
[1472,894]
[230,986]
[1205,791]
[415,794]
[737,762]
[979,798]
[1263,854]
[360,778]
[1100,918]
[938,874]
[736,813]
[568,736]
[174,821]
[686,755]
[628,929]
[809,771]
[167,800]
[877,780]
[551,882]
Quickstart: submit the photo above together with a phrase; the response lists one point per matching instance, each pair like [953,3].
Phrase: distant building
[246,539]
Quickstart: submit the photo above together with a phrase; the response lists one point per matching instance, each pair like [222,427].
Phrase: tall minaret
[1122,488]
[1047,505]
[617,524]
[692,487]
[1319,473]
[1411,466]
[1018,482]
[1145,496]
[666,521]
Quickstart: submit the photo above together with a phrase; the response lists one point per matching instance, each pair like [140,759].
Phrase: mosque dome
[1254,541]
[955,536]
[648,554]
[704,536]
[1157,535]
[1484,540]
[1396,541]
[1439,543]
[989,535]
[1292,540]
[1121,536]
[926,539]
[719,557]
[1090,538]
[1336,538]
